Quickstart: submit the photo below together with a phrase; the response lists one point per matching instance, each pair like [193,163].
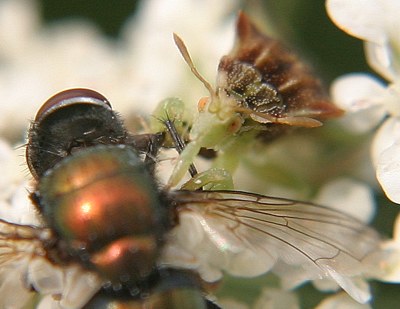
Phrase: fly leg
[179,143]
[212,179]
[149,144]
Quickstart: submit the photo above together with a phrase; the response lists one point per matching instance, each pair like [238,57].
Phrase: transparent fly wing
[19,245]
[20,240]
[24,268]
[248,234]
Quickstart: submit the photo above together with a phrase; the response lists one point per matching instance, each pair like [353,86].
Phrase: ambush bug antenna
[186,56]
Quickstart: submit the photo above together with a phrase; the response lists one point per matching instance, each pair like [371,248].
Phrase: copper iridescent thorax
[105,207]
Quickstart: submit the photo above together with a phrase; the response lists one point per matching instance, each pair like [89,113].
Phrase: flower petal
[276,298]
[364,19]
[21,17]
[356,91]
[48,302]
[381,58]
[391,256]
[386,136]
[80,286]
[45,277]
[326,285]
[13,292]
[341,301]
[385,263]
[361,95]
[348,196]
[388,171]
[212,23]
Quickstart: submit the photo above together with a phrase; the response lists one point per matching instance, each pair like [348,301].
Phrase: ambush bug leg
[171,108]
[212,179]
[183,163]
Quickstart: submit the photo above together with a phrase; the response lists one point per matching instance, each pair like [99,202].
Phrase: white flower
[388,258]
[348,196]
[277,299]
[134,73]
[67,287]
[158,70]
[213,244]
[377,23]
[341,301]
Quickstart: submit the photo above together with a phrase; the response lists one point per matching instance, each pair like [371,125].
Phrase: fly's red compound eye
[67,122]
[70,97]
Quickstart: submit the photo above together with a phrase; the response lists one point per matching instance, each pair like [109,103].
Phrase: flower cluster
[36,61]
[370,101]
[373,104]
